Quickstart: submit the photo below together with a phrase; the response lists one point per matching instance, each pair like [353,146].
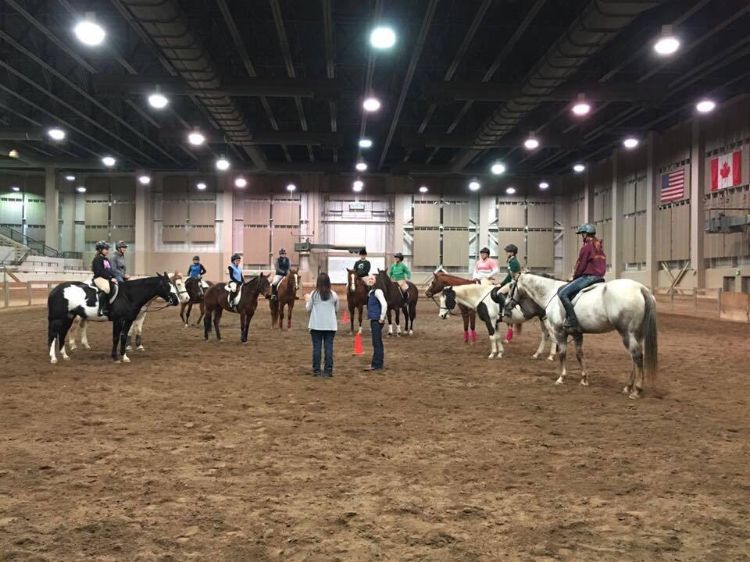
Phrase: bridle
[177,290]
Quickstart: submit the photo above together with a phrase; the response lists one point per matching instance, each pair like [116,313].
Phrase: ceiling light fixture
[13,153]
[578,168]
[667,44]
[474,185]
[510,190]
[423,189]
[89,32]
[361,166]
[157,100]
[365,143]
[630,143]
[70,177]
[144,179]
[201,186]
[531,143]
[109,161]
[581,106]
[543,185]
[705,106]
[240,182]
[15,188]
[498,168]
[358,185]
[81,189]
[222,164]
[56,134]
[383,37]
[196,138]
[291,187]
[371,104]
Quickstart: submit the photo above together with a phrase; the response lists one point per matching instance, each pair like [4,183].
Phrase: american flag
[672,186]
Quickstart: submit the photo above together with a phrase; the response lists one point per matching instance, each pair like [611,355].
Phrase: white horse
[479,298]
[622,304]
[79,328]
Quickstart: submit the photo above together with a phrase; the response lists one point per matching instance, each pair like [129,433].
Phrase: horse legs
[465,318]
[73,333]
[412,316]
[496,348]
[207,324]
[83,326]
[473,327]
[56,332]
[182,313]
[398,321]
[351,319]
[217,319]
[562,351]
[289,316]
[578,339]
[361,308]
[137,329]
[116,329]
[202,308]
[634,387]
[243,327]
[124,331]
[390,322]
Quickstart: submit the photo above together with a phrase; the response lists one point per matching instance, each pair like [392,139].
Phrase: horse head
[165,289]
[264,286]
[295,276]
[179,288]
[447,302]
[435,287]
[351,280]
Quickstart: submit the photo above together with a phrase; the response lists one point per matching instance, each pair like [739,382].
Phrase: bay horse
[356,297]
[216,302]
[396,302]
[195,293]
[75,299]
[441,280]
[286,294]
[79,328]
[623,305]
[490,303]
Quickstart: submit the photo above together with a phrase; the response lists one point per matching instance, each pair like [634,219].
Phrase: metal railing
[36,247]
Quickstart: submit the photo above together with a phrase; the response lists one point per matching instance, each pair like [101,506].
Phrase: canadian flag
[726,170]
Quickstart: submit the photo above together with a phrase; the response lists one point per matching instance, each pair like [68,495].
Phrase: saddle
[497,296]
[591,287]
[115,290]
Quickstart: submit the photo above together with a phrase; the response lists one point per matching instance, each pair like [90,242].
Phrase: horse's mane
[545,275]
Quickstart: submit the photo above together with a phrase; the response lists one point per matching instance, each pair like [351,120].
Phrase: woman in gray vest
[323,305]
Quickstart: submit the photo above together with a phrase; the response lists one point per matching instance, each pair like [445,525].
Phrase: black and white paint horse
[73,299]
[79,329]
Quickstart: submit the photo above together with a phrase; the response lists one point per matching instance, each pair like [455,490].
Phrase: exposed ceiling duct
[598,24]
[168,28]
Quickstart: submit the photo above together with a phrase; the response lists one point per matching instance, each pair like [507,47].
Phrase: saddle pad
[498,296]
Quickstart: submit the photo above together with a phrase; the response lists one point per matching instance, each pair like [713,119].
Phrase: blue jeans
[322,338]
[568,292]
[376,328]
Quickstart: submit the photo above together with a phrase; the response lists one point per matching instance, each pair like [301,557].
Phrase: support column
[652,197]
[52,206]
[697,215]
[486,206]
[588,197]
[225,205]
[615,243]
[143,227]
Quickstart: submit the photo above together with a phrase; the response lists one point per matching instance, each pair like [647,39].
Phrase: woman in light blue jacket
[323,305]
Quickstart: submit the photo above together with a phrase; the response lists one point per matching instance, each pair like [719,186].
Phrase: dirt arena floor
[208,451]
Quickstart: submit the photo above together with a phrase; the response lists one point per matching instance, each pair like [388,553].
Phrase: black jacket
[102,267]
[282,265]
[362,268]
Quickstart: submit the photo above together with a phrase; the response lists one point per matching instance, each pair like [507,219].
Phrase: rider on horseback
[362,266]
[197,271]
[282,268]
[514,266]
[485,267]
[236,280]
[399,272]
[119,269]
[590,268]
[103,276]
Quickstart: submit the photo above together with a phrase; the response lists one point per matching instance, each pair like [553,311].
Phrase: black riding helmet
[399,255]
[363,252]
[120,244]
[236,257]
[102,245]
[485,250]
[511,248]
[196,258]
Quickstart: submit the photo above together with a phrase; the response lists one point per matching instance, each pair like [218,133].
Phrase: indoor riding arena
[527,224]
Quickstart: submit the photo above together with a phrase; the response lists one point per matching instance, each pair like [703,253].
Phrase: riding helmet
[196,258]
[236,257]
[511,248]
[363,252]
[485,251]
[101,245]
[282,252]
[586,228]
[398,255]
[120,244]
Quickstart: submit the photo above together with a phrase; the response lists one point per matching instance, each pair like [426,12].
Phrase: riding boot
[274,293]
[103,301]
[571,320]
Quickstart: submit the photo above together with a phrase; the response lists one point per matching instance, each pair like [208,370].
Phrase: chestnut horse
[394,298]
[441,280]
[356,297]
[196,293]
[286,294]
[216,302]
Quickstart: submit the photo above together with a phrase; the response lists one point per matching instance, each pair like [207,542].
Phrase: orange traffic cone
[358,344]
[345,319]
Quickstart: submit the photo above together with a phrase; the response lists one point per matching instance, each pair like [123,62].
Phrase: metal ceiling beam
[415,54]
[271,137]
[468,141]
[21,134]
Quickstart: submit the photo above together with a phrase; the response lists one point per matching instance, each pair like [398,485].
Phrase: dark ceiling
[277,85]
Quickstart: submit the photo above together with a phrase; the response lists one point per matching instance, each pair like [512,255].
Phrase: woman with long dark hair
[323,305]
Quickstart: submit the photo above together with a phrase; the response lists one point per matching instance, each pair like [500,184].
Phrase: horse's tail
[650,346]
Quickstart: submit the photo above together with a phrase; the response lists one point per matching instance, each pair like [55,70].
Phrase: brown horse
[286,294]
[216,302]
[441,280]
[356,297]
[196,293]
[394,298]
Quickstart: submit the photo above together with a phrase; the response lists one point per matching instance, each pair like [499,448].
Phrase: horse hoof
[125,359]
[506,342]
[73,347]
[491,356]
[128,348]
[86,346]
[53,361]
[633,395]
[551,358]
[559,381]
[535,356]
[66,358]
[626,390]
[584,383]
[141,348]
